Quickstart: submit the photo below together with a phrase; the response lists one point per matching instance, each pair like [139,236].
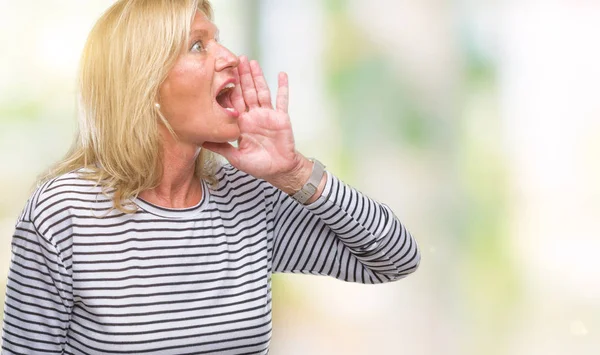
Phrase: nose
[225,58]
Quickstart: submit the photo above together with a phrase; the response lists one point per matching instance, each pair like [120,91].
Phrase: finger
[228,151]
[237,99]
[283,94]
[247,83]
[262,89]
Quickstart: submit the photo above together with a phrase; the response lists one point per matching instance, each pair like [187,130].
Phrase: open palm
[266,145]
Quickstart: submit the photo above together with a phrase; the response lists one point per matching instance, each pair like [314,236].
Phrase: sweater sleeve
[38,294]
[343,234]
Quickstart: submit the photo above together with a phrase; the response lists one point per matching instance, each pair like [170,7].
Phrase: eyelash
[203,47]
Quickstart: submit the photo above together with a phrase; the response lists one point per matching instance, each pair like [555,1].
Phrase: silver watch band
[308,190]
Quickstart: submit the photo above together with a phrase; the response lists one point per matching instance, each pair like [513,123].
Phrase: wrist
[319,191]
[292,181]
[310,190]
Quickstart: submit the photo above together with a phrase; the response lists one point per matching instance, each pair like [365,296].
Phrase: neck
[179,187]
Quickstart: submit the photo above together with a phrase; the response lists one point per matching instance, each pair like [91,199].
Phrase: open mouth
[224,97]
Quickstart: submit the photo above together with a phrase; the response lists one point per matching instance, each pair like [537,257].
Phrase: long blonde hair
[127,56]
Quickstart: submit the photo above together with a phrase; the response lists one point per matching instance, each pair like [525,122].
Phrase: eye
[197,47]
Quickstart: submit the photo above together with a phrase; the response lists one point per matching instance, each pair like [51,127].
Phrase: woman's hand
[266,147]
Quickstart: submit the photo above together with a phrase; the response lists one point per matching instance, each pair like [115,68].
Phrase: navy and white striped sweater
[87,279]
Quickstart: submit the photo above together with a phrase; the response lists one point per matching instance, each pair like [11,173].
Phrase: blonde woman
[139,243]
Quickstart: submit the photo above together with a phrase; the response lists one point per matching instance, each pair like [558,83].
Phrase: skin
[266,147]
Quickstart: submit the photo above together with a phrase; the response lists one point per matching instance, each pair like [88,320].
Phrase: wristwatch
[308,190]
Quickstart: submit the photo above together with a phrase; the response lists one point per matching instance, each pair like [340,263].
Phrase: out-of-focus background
[478,122]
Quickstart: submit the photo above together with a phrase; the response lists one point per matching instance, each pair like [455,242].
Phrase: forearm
[343,234]
[369,229]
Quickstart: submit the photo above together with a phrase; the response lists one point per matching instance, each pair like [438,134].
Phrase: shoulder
[70,190]
[231,178]
[232,181]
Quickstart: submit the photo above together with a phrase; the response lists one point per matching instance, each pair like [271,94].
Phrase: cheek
[185,92]
[189,78]
[186,76]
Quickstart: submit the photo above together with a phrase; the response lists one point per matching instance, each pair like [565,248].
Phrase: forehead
[201,23]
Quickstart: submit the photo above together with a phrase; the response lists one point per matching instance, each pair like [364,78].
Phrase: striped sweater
[87,279]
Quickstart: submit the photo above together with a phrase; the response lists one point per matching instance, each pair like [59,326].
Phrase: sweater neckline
[175,212]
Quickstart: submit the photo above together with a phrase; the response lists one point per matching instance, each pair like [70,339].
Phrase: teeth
[226,88]
[230,109]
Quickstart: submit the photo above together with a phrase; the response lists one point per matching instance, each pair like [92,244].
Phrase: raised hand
[266,147]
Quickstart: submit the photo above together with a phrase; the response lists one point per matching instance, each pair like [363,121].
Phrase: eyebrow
[204,33]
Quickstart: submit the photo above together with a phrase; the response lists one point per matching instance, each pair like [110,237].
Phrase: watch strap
[310,187]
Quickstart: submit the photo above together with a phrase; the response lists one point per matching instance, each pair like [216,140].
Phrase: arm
[38,295]
[343,234]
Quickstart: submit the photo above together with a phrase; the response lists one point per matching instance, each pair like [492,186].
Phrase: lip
[235,112]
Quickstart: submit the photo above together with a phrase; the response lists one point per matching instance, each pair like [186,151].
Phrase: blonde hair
[127,56]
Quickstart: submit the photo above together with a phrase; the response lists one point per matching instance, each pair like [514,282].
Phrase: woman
[139,243]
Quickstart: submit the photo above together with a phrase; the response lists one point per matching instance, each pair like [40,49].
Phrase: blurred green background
[478,122]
